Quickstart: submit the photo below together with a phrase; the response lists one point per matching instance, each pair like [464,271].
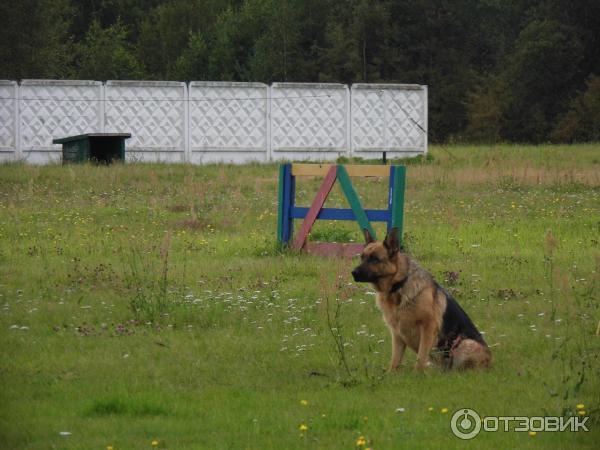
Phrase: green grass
[151,302]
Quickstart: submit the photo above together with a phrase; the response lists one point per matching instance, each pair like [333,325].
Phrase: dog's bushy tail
[470,354]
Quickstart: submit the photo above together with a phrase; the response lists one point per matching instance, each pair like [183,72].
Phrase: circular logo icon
[465,423]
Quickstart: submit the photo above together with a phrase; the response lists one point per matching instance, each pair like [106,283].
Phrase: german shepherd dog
[418,311]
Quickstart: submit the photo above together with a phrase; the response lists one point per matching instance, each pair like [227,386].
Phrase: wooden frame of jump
[288,211]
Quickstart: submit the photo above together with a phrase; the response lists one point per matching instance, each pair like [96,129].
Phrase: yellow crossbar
[354,170]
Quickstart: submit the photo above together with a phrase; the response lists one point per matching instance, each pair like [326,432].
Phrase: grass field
[147,303]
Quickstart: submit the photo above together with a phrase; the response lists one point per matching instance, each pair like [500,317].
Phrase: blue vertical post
[292,203]
[281,188]
[287,185]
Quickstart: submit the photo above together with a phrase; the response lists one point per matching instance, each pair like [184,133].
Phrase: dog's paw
[394,369]
[422,367]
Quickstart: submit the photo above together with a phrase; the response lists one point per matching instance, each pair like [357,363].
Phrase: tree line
[497,70]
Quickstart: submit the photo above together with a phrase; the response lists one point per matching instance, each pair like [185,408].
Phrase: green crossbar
[352,196]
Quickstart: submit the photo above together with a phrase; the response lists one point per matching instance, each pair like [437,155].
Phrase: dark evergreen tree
[497,70]
[105,54]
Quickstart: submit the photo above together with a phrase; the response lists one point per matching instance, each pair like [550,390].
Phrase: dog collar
[399,285]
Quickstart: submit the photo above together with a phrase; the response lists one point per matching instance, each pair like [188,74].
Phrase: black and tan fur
[418,311]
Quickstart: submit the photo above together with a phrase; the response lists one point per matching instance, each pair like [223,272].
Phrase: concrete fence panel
[8,120]
[228,122]
[154,112]
[50,109]
[309,121]
[206,122]
[390,118]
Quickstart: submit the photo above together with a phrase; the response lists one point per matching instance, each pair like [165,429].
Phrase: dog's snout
[358,274]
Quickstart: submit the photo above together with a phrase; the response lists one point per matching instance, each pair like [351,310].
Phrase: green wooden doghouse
[97,147]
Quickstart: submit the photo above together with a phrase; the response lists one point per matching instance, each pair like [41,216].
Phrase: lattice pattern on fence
[228,118]
[388,118]
[154,112]
[215,121]
[308,118]
[54,108]
[8,119]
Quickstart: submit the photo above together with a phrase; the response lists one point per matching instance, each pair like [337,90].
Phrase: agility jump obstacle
[288,211]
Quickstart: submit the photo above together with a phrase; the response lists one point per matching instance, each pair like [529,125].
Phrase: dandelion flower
[303,427]
[580,406]
[444,410]
[109,447]
[361,441]
[430,409]
[154,443]
[304,402]
[581,412]
[532,433]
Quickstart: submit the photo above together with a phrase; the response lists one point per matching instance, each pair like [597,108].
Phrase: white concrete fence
[204,122]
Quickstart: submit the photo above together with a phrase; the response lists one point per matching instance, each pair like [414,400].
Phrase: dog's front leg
[398,348]
[426,340]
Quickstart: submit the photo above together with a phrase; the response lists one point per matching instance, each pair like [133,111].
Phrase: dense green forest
[497,70]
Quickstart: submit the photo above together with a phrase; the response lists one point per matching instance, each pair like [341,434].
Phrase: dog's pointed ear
[391,242]
[368,237]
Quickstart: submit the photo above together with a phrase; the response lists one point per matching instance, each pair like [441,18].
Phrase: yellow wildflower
[154,443]
[303,427]
[532,433]
[581,412]
[361,441]
[580,406]
[444,410]
[430,409]
[304,402]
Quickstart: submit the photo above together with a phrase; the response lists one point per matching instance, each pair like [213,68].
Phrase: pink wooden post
[315,208]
